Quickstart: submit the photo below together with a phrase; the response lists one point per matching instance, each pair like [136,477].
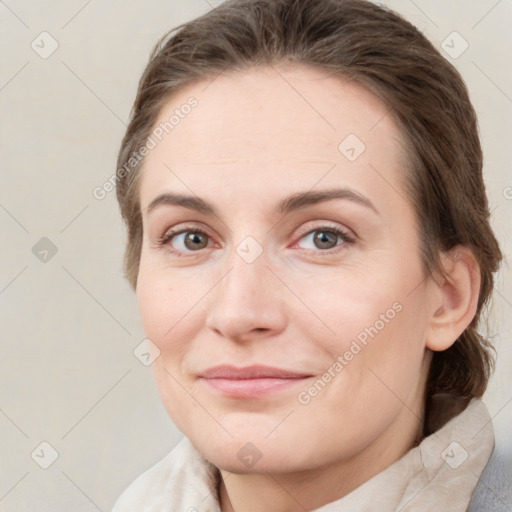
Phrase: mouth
[252,381]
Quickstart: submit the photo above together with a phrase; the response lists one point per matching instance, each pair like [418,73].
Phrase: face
[280,274]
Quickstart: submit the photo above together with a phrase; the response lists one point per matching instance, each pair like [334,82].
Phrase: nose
[247,303]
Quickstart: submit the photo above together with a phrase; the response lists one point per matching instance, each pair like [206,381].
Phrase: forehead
[272,125]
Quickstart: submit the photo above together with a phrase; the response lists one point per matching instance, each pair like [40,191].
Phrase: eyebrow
[293,202]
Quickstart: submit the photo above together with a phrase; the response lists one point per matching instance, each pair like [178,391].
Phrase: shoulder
[493,493]
[179,481]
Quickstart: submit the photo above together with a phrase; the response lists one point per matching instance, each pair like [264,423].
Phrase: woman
[309,241]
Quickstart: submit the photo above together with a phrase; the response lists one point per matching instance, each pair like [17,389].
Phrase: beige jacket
[438,475]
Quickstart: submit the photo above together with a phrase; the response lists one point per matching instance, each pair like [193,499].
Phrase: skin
[253,140]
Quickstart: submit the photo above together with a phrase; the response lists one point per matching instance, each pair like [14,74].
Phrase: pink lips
[250,382]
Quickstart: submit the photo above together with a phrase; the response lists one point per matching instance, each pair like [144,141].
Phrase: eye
[325,238]
[185,240]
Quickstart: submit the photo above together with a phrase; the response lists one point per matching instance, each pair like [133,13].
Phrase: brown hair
[385,53]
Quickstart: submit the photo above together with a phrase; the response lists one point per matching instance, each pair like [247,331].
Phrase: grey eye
[191,240]
[323,238]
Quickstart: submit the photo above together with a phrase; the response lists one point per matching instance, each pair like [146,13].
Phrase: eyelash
[345,237]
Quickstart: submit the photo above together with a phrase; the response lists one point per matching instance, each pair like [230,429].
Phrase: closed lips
[250,372]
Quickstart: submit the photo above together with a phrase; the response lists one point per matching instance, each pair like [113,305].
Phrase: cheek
[167,302]
[154,306]
[172,308]
[348,303]
[373,319]
[168,317]
[398,356]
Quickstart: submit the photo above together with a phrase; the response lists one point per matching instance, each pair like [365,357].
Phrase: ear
[453,298]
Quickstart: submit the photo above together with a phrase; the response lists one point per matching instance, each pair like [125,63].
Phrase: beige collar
[439,474]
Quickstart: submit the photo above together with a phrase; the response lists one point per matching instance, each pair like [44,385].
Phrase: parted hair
[383,52]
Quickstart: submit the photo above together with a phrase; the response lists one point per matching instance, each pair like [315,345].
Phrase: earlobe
[454,298]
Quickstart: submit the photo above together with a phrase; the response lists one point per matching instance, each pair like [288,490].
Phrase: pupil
[326,239]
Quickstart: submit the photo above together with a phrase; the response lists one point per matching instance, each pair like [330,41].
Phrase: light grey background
[68,375]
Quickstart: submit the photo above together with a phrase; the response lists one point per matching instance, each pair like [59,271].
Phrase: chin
[240,456]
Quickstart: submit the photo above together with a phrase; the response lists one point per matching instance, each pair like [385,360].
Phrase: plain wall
[68,375]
